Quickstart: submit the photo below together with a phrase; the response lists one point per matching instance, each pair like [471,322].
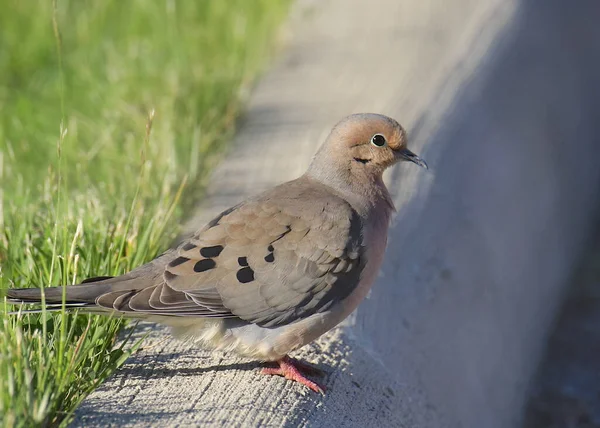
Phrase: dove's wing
[289,253]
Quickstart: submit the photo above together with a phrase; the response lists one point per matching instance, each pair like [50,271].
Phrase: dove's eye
[378,140]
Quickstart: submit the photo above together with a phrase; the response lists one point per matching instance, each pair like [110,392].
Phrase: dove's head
[364,145]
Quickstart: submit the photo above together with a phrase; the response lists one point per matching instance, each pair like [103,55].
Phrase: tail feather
[82,296]
[73,293]
[96,279]
[79,296]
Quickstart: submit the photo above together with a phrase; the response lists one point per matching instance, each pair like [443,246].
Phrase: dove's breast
[375,242]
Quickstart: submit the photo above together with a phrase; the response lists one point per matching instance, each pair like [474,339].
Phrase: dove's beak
[406,155]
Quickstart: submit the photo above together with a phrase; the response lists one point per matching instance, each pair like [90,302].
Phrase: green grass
[106,109]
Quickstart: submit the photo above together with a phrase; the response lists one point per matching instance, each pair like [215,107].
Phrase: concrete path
[501,98]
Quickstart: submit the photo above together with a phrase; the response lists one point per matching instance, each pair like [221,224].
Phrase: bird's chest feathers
[374,242]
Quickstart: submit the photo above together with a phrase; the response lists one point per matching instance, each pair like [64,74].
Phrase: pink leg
[291,369]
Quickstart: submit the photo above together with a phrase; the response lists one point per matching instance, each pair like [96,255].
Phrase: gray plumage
[277,270]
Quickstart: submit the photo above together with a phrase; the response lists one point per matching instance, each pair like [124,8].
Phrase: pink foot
[307,368]
[292,369]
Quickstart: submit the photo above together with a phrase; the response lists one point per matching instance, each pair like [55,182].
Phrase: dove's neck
[364,192]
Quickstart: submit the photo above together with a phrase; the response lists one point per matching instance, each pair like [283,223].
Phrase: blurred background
[115,116]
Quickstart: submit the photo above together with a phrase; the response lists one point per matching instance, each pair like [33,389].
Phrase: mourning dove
[276,271]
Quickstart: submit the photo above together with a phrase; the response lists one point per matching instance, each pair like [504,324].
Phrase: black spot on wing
[355,241]
[204,265]
[245,275]
[211,252]
[189,246]
[178,261]
[270,258]
[243,261]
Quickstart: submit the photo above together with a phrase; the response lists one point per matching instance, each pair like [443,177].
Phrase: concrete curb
[505,94]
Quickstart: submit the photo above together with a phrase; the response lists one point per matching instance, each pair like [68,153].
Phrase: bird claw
[306,368]
[292,369]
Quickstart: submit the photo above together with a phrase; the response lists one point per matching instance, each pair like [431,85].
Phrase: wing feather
[292,252]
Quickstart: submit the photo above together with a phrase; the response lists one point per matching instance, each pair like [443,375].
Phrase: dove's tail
[75,296]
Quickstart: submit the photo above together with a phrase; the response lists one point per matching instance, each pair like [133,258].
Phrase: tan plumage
[277,270]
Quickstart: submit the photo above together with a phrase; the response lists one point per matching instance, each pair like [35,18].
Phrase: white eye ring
[378,140]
